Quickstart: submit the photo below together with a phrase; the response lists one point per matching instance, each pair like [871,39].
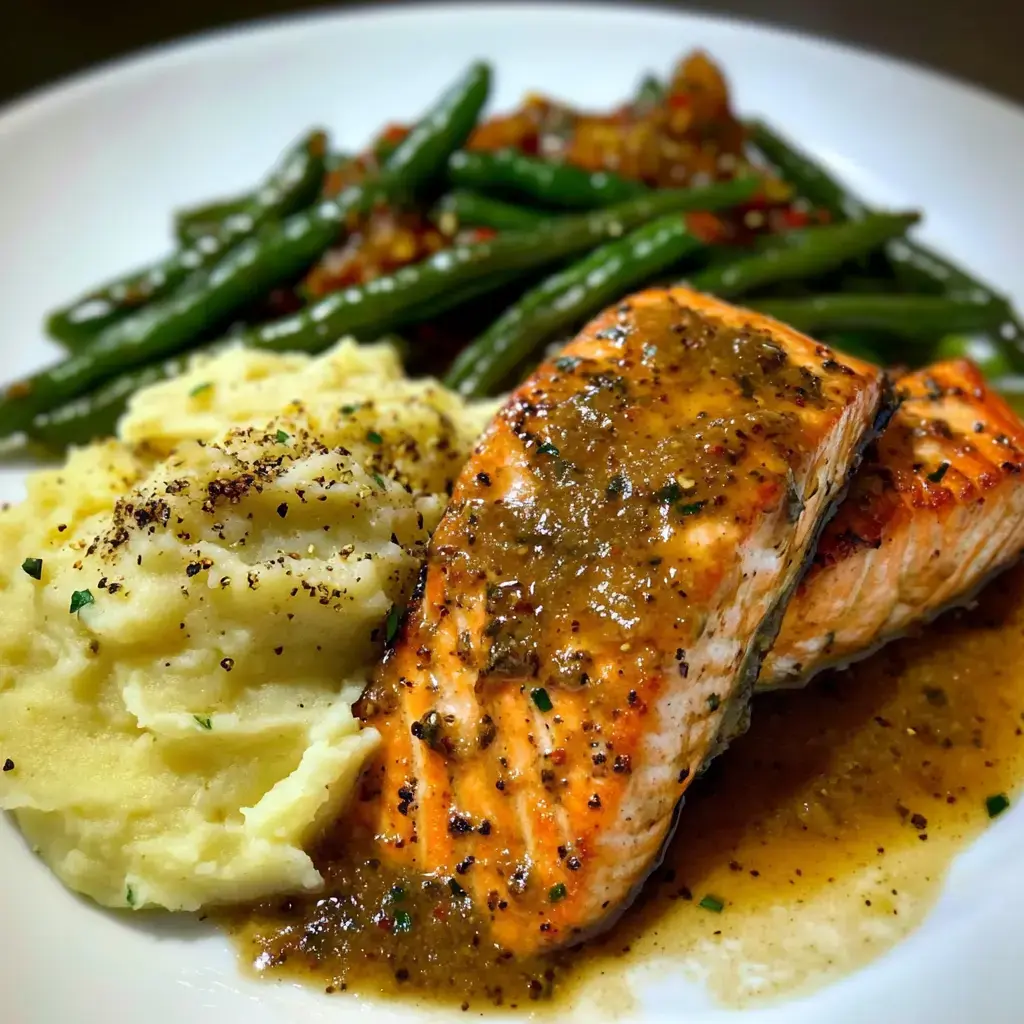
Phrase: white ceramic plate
[88,175]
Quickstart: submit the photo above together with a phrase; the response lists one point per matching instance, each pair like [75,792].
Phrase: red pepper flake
[795,218]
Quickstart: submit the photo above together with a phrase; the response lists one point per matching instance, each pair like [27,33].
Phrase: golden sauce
[825,833]
[591,609]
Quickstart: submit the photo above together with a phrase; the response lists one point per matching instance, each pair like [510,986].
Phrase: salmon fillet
[936,507]
[596,603]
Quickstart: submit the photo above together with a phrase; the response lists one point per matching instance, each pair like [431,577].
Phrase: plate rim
[83,83]
[119,73]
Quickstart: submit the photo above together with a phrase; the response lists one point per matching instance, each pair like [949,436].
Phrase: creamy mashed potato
[214,588]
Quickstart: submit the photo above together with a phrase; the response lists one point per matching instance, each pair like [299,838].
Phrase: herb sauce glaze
[825,833]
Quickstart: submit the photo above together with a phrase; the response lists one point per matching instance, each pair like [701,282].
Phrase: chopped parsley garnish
[379,480]
[349,409]
[566,363]
[373,437]
[397,894]
[34,567]
[200,388]
[456,889]
[79,599]
[692,508]
[282,437]
[937,476]
[541,699]
[713,702]
[712,903]
[670,493]
[391,624]
[129,895]
[996,804]
[557,892]
[617,486]
[403,922]
[547,448]
[204,722]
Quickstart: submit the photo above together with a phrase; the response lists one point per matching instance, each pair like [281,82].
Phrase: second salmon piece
[597,601]
[935,509]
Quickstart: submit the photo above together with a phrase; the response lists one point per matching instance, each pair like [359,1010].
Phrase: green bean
[382,149]
[649,94]
[568,297]
[811,251]
[254,267]
[419,160]
[989,357]
[916,267]
[96,414]
[550,184]
[911,317]
[807,176]
[211,298]
[482,211]
[194,222]
[205,218]
[292,185]
[311,329]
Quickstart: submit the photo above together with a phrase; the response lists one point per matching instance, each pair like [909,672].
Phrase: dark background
[979,40]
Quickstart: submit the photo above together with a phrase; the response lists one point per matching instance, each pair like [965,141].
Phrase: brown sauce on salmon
[595,601]
[836,815]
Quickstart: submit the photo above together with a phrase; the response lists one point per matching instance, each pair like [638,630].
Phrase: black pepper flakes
[282,509]
[459,825]
[227,664]
[8,765]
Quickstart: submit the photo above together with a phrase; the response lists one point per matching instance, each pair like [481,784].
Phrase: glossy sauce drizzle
[824,833]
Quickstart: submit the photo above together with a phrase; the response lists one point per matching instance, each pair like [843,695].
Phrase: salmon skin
[596,603]
[936,508]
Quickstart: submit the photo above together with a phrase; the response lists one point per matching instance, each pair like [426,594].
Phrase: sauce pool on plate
[815,844]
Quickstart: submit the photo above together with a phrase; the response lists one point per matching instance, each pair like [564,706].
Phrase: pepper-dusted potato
[180,640]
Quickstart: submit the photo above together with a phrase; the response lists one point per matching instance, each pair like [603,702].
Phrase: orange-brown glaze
[596,601]
[865,782]
[936,508]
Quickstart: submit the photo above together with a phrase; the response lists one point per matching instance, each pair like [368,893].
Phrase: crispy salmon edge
[965,599]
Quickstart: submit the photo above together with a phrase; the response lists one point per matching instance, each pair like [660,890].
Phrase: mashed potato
[214,587]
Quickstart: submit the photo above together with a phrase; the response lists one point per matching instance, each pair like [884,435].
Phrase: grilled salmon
[936,507]
[596,603]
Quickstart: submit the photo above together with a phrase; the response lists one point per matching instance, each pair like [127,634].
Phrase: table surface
[44,40]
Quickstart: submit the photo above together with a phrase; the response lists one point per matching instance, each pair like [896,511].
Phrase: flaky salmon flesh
[596,603]
[936,507]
